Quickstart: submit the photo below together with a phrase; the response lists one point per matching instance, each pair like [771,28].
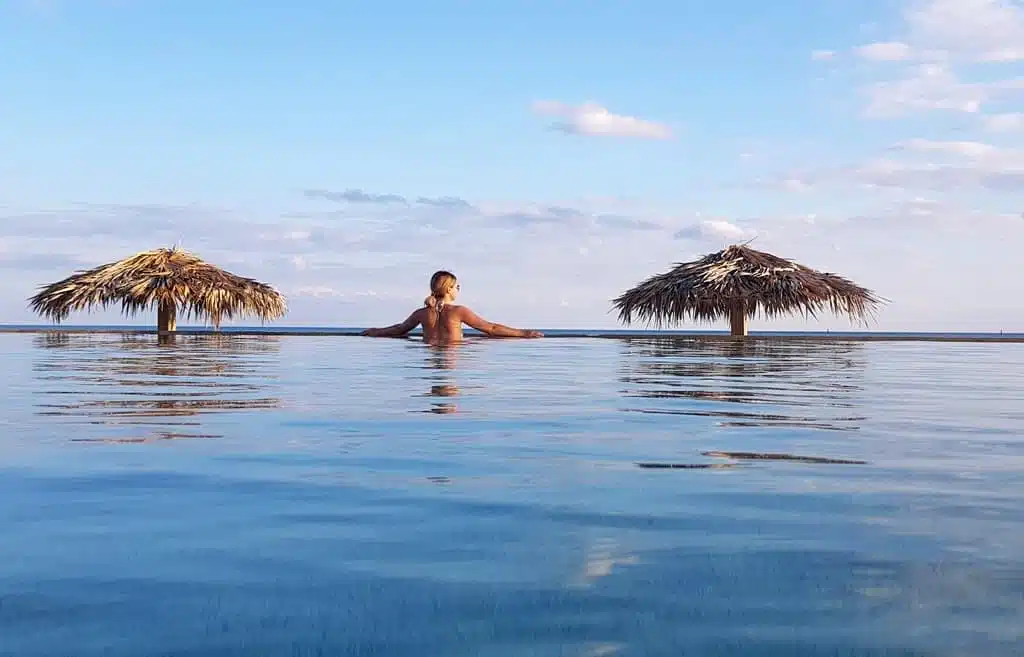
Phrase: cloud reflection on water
[149,389]
[746,383]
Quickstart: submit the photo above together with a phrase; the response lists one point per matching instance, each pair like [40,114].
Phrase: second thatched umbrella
[167,280]
[739,282]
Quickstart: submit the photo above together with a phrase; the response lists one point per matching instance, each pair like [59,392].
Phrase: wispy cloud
[353,196]
[970,30]
[580,220]
[921,164]
[1009,122]
[931,64]
[968,149]
[715,228]
[620,222]
[888,51]
[447,202]
[359,196]
[934,87]
[593,120]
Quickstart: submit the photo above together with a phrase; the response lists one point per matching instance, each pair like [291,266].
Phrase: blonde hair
[441,284]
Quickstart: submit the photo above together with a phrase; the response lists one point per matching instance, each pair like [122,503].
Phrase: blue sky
[576,147]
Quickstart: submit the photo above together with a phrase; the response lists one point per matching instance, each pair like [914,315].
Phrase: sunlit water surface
[231,495]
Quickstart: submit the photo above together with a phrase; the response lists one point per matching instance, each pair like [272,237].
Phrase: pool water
[303,495]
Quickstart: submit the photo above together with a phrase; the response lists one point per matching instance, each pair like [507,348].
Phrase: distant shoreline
[552,333]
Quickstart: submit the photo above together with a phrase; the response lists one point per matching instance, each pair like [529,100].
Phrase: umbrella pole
[738,319]
[166,317]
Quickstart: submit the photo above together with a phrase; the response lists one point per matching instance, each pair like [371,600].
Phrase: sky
[551,153]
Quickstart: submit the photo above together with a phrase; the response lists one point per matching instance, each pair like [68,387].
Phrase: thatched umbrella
[739,282]
[166,279]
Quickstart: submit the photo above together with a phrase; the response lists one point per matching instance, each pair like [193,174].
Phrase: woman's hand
[533,334]
[371,332]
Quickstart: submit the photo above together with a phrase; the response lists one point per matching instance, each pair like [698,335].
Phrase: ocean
[634,495]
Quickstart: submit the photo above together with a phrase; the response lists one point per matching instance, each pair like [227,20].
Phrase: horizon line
[350,331]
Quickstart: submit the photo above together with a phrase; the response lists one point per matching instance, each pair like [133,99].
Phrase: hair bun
[430,302]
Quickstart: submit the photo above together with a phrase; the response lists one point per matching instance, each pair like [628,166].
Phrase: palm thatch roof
[756,282]
[167,280]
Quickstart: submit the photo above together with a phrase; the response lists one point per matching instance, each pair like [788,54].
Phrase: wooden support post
[166,318]
[738,319]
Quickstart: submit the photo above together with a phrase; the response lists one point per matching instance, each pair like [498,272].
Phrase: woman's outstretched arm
[493,329]
[395,330]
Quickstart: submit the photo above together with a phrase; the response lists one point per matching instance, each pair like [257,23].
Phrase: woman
[442,320]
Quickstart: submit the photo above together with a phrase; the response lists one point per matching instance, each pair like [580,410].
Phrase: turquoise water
[302,495]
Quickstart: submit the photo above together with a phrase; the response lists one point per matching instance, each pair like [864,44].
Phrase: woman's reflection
[442,358]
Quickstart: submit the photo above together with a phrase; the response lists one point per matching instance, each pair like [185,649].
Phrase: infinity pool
[298,495]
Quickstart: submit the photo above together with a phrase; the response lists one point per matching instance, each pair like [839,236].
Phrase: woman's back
[442,324]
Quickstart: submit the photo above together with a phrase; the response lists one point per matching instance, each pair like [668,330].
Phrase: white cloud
[918,206]
[983,30]
[891,51]
[795,185]
[724,229]
[714,229]
[315,291]
[823,55]
[925,165]
[932,63]
[970,149]
[325,292]
[972,30]
[1009,122]
[594,120]
[889,173]
[930,87]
